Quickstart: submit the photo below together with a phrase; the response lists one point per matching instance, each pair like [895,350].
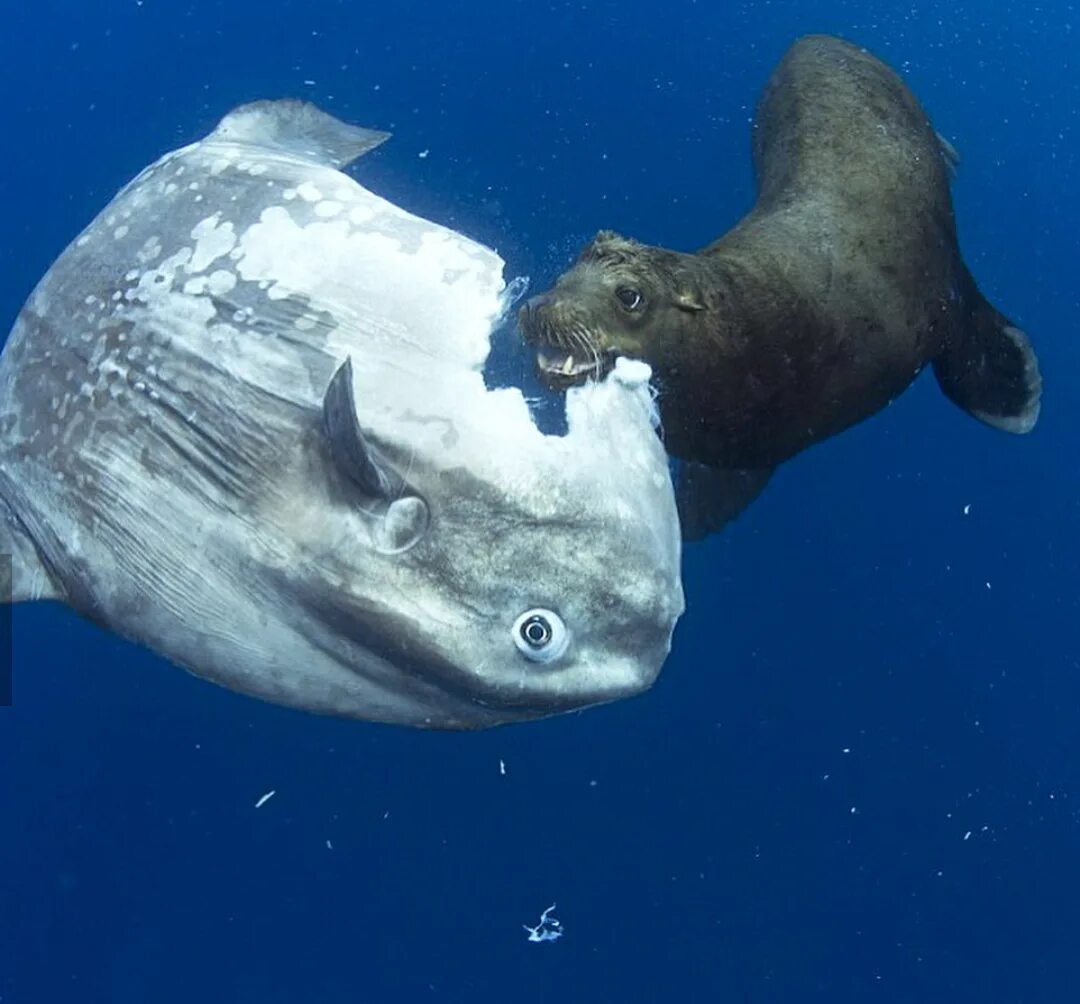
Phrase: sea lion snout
[565,353]
[529,314]
[538,302]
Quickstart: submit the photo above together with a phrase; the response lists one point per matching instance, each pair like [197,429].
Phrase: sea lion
[817,309]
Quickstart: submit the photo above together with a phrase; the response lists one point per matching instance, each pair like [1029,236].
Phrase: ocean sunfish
[243,421]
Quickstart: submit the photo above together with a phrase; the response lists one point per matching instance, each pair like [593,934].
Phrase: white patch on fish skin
[121,232]
[212,242]
[156,282]
[327,208]
[308,192]
[326,257]
[360,215]
[221,281]
[257,169]
[149,251]
[305,322]
[216,284]
[220,165]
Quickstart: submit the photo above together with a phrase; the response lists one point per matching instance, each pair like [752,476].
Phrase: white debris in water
[549,929]
[265,798]
[502,768]
[423,153]
[967,509]
[632,372]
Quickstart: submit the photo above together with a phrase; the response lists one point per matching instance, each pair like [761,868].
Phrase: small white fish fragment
[423,154]
[266,798]
[549,929]
[967,509]
[502,768]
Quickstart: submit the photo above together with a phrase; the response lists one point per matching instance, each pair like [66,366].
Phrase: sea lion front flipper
[990,369]
[949,154]
[710,497]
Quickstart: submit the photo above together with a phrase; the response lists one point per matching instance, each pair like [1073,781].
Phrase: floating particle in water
[549,929]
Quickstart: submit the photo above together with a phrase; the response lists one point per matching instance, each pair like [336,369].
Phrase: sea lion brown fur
[818,308]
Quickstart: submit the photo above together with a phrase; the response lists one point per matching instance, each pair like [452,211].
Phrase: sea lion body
[822,304]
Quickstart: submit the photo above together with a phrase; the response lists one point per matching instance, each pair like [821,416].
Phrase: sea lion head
[621,298]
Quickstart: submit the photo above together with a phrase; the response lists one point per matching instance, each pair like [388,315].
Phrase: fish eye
[540,635]
[629,297]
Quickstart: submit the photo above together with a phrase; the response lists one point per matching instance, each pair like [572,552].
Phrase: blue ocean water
[858,775]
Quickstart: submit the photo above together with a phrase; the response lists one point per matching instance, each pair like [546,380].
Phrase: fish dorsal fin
[350,450]
[297,127]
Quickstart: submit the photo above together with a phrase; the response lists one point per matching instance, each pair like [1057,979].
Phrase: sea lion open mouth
[567,352]
[560,367]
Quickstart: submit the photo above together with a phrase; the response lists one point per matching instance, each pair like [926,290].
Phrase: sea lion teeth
[568,365]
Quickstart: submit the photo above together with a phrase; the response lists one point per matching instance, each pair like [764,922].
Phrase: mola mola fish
[243,421]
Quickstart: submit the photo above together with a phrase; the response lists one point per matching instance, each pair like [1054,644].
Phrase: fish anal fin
[23,574]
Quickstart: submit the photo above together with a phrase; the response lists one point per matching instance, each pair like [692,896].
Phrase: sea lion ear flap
[688,301]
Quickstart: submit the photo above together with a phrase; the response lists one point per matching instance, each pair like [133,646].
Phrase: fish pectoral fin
[709,497]
[298,128]
[350,451]
[23,574]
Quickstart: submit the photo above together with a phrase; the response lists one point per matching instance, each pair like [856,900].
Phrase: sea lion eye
[540,635]
[629,297]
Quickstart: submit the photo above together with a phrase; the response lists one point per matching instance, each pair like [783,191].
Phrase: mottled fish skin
[176,451]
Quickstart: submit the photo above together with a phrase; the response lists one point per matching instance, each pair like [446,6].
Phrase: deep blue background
[864,676]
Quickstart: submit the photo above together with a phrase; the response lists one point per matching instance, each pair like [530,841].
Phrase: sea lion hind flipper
[298,128]
[710,497]
[990,370]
